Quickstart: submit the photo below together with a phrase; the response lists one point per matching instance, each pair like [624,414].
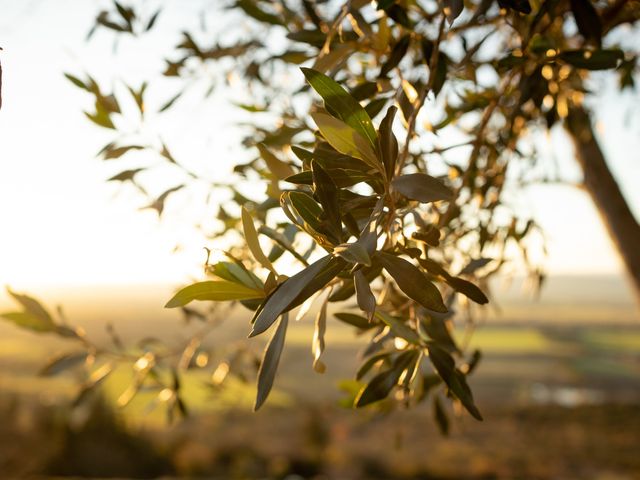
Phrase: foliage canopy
[390,137]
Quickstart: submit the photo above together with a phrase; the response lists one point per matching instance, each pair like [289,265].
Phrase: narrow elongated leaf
[348,289]
[234,272]
[251,237]
[285,294]
[317,345]
[381,385]
[213,290]
[354,320]
[34,317]
[468,289]
[387,142]
[127,175]
[474,265]
[370,362]
[63,362]
[304,212]
[353,253]
[33,307]
[460,285]
[422,188]
[340,176]
[593,60]
[587,19]
[327,193]
[326,274]
[283,241]
[306,207]
[399,328]
[431,327]
[279,168]
[270,361]
[345,139]
[29,321]
[455,380]
[338,100]
[397,54]
[364,296]
[440,416]
[412,282]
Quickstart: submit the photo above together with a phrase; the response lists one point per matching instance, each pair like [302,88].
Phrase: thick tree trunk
[605,192]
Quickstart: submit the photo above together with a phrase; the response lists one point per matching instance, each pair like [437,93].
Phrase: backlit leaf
[422,187]
[270,361]
[455,380]
[251,237]
[364,296]
[338,100]
[213,290]
[285,294]
[412,282]
[345,139]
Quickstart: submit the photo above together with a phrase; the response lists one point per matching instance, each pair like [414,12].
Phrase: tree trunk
[605,193]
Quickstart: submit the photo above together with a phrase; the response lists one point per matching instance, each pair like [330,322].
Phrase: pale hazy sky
[62,224]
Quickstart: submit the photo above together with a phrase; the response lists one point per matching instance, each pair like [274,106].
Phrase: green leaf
[340,176]
[399,327]
[387,142]
[353,253]
[455,380]
[28,321]
[397,54]
[436,330]
[250,7]
[77,82]
[127,175]
[364,296]
[306,207]
[345,139]
[440,416]
[412,282]
[593,60]
[458,284]
[283,242]
[279,168]
[422,188]
[327,194]
[474,265]
[213,290]
[338,100]
[237,273]
[270,361]
[370,362]
[33,307]
[251,237]
[317,344]
[354,320]
[326,274]
[304,212]
[286,293]
[468,289]
[63,362]
[381,385]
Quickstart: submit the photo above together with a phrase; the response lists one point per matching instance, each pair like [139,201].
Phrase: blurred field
[561,400]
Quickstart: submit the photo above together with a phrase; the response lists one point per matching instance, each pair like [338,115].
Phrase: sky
[62,224]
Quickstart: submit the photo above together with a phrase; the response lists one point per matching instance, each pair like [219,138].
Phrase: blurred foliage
[355,189]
